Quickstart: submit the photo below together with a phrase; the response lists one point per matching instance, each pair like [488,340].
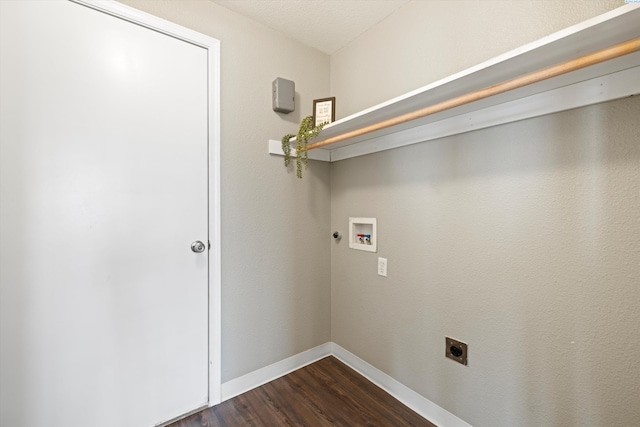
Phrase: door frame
[213,99]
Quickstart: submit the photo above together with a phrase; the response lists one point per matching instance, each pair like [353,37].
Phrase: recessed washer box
[363,234]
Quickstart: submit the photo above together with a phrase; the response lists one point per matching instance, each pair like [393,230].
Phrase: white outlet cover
[382,267]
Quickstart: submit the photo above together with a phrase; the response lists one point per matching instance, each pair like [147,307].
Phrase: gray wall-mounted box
[283,93]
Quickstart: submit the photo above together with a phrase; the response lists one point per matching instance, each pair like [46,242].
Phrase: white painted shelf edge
[611,80]
[275,147]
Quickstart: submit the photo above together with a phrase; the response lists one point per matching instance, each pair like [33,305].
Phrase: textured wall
[521,240]
[275,266]
[427,40]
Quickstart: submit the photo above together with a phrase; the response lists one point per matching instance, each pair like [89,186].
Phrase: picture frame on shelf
[324,111]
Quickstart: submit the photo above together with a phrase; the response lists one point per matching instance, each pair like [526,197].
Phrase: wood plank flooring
[325,393]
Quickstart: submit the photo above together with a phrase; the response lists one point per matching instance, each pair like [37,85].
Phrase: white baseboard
[404,394]
[269,373]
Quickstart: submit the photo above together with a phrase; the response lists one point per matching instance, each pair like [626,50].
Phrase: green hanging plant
[306,132]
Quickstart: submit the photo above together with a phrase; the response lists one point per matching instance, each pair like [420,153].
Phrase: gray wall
[521,240]
[427,40]
[275,266]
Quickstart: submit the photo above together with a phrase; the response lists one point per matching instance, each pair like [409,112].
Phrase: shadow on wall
[525,146]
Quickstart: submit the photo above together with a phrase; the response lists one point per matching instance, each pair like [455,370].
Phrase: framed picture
[324,111]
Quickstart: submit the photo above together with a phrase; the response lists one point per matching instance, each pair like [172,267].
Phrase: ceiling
[327,25]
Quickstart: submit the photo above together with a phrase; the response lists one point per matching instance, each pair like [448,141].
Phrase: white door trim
[213,48]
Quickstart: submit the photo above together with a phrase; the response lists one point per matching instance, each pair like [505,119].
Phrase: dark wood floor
[325,393]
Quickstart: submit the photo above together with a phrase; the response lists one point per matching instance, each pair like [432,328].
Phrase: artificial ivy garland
[306,132]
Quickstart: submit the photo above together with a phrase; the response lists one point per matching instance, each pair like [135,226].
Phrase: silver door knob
[198,247]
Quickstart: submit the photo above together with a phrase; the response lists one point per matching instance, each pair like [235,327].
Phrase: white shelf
[617,78]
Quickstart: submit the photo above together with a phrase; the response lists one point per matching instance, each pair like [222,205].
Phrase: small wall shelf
[613,79]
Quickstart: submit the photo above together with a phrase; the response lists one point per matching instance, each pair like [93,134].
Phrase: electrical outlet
[382,267]
[456,350]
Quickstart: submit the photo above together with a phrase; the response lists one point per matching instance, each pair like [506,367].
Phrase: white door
[103,163]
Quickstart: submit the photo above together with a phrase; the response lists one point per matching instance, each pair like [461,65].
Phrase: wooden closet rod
[593,58]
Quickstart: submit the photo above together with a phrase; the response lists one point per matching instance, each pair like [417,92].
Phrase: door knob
[198,247]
